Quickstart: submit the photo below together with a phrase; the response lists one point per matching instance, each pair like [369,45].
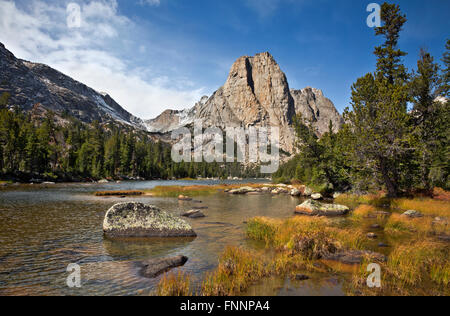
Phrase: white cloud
[92,54]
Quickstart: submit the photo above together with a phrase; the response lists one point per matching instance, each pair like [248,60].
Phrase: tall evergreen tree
[379,117]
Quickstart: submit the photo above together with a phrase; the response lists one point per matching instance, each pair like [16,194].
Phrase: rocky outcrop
[40,87]
[316,108]
[256,93]
[125,220]
[314,208]
[154,267]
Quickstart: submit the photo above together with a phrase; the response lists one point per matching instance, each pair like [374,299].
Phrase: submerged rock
[355,256]
[301,277]
[154,267]
[193,214]
[314,208]
[412,214]
[140,220]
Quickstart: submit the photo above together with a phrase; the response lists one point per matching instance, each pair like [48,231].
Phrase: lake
[44,228]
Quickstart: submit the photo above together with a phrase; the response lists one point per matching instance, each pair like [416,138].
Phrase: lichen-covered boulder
[244,190]
[140,220]
[314,208]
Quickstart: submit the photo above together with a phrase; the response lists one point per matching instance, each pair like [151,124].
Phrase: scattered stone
[355,256]
[296,192]
[266,189]
[308,191]
[383,245]
[301,277]
[48,183]
[184,198]
[154,267]
[412,214]
[139,220]
[193,214]
[336,195]
[372,236]
[375,226]
[314,208]
[439,220]
[382,213]
[317,196]
[103,181]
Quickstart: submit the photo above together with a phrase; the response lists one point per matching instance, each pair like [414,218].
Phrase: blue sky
[151,55]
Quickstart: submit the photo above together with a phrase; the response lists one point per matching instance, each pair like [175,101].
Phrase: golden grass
[237,269]
[416,268]
[318,232]
[426,206]
[119,193]
[174,285]
[423,226]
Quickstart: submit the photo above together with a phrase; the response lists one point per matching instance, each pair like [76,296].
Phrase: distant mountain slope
[256,93]
[30,84]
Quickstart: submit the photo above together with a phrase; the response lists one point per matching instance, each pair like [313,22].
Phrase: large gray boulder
[314,208]
[140,220]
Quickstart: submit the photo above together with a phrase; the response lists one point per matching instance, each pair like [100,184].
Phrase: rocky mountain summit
[33,85]
[256,93]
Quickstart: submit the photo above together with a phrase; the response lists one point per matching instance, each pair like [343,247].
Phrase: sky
[153,55]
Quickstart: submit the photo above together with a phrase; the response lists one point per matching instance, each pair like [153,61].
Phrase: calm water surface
[45,228]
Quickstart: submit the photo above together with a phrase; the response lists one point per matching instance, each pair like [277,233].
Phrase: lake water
[46,228]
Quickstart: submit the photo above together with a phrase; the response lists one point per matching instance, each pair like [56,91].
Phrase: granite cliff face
[256,93]
[31,84]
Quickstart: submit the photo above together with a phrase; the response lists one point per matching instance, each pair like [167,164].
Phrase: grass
[353,201]
[429,206]
[174,285]
[424,226]
[237,269]
[416,268]
[119,193]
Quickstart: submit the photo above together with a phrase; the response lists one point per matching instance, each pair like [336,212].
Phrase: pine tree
[379,117]
[424,88]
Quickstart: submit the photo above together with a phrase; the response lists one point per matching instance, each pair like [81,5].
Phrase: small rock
[316,196]
[154,267]
[336,195]
[295,192]
[103,181]
[193,214]
[308,191]
[412,214]
[383,245]
[375,226]
[184,198]
[301,277]
[372,236]
[314,208]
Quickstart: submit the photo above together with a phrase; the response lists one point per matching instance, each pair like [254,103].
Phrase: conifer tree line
[396,133]
[40,148]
